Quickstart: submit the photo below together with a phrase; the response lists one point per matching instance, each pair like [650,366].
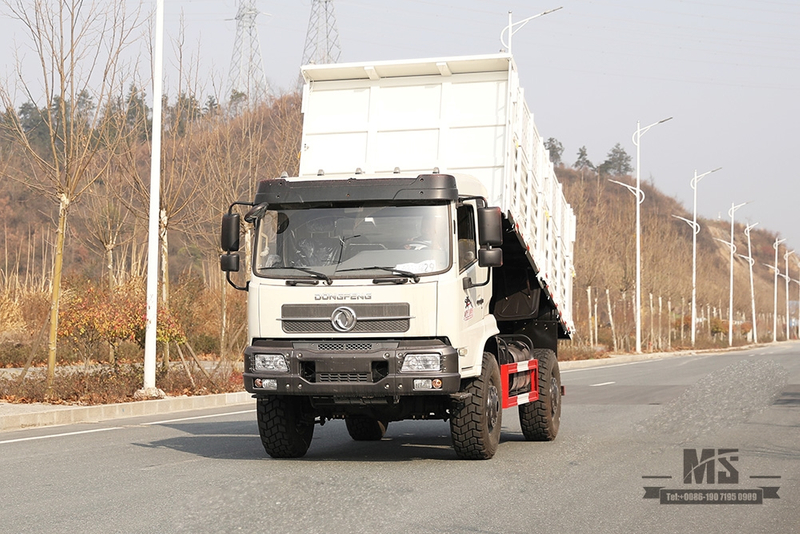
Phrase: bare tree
[79,47]
[234,152]
[105,227]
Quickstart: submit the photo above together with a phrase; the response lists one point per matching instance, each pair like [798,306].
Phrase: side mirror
[229,263]
[490,227]
[229,238]
[492,257]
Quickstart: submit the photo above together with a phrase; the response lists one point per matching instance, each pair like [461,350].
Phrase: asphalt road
[206,471]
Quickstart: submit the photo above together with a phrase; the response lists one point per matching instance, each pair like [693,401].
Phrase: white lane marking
[601,384]
[61,435]
[600,367]
[198,417]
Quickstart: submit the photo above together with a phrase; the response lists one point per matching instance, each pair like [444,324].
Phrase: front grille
[362,327]
[343,377]
[371,318]
[341,347]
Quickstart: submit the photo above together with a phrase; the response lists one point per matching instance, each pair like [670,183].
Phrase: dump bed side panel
[535,199]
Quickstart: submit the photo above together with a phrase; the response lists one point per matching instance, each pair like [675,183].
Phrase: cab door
[474,307]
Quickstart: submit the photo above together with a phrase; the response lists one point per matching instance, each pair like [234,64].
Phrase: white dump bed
[460,115]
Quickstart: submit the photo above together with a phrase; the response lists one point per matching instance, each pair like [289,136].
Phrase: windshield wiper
[316,274]
[398,272]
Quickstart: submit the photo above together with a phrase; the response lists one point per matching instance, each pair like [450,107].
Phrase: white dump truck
[419,267]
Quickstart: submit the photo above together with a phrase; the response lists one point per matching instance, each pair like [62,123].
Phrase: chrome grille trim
[371,318]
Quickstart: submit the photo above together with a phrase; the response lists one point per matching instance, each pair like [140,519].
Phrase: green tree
[211,107]
[137,114]
[178,117]
[583,161]
[34,128]
[555,148]
[617,162]
[237,103]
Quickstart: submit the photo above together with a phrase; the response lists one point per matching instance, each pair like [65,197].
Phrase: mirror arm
[480,202]
[467,283]
[239,203]
[245,287]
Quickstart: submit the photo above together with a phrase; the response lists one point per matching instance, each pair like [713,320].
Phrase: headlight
[421,362]
[270,362]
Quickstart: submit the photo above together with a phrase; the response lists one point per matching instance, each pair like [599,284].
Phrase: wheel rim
[492,407]
[555,396]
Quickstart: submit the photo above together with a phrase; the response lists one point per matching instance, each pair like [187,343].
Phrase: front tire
[540,419]
[284,433]
[475,422]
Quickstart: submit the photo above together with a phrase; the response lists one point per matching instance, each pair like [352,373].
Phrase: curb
[20,416]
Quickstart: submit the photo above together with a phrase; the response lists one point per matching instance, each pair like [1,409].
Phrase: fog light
[421,362]
[422,383]
[270,362]
[427,383]
[265,383]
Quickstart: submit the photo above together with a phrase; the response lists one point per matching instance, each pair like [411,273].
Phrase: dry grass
[106,385]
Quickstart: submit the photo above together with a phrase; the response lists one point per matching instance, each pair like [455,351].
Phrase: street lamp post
[775,245]
[777,273]
[695,230]
[696,227]
[752,287]
[511,30]
[798,311]
[731,211]
[798,300]
[732,247]
[786,260]
[637,136]
[149,384]
[637,315]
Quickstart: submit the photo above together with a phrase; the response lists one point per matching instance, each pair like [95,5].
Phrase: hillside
[605,260]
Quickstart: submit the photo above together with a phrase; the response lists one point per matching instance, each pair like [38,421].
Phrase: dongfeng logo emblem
[343,319]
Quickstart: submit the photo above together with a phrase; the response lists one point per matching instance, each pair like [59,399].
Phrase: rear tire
[475,422]
[363,428]
[540,419]
[284,433]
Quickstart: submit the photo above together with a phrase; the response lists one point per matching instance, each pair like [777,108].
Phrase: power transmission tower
[322,38]
[247,79]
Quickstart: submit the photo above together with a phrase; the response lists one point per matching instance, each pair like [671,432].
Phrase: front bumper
[349,368]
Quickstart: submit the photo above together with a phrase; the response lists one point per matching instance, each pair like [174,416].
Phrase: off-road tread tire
[537,419]
[363,428]
[469,426]
[280,425]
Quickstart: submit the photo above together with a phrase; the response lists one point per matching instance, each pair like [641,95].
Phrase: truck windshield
[353,242]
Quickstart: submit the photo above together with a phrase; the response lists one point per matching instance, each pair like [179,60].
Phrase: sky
[727,71]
